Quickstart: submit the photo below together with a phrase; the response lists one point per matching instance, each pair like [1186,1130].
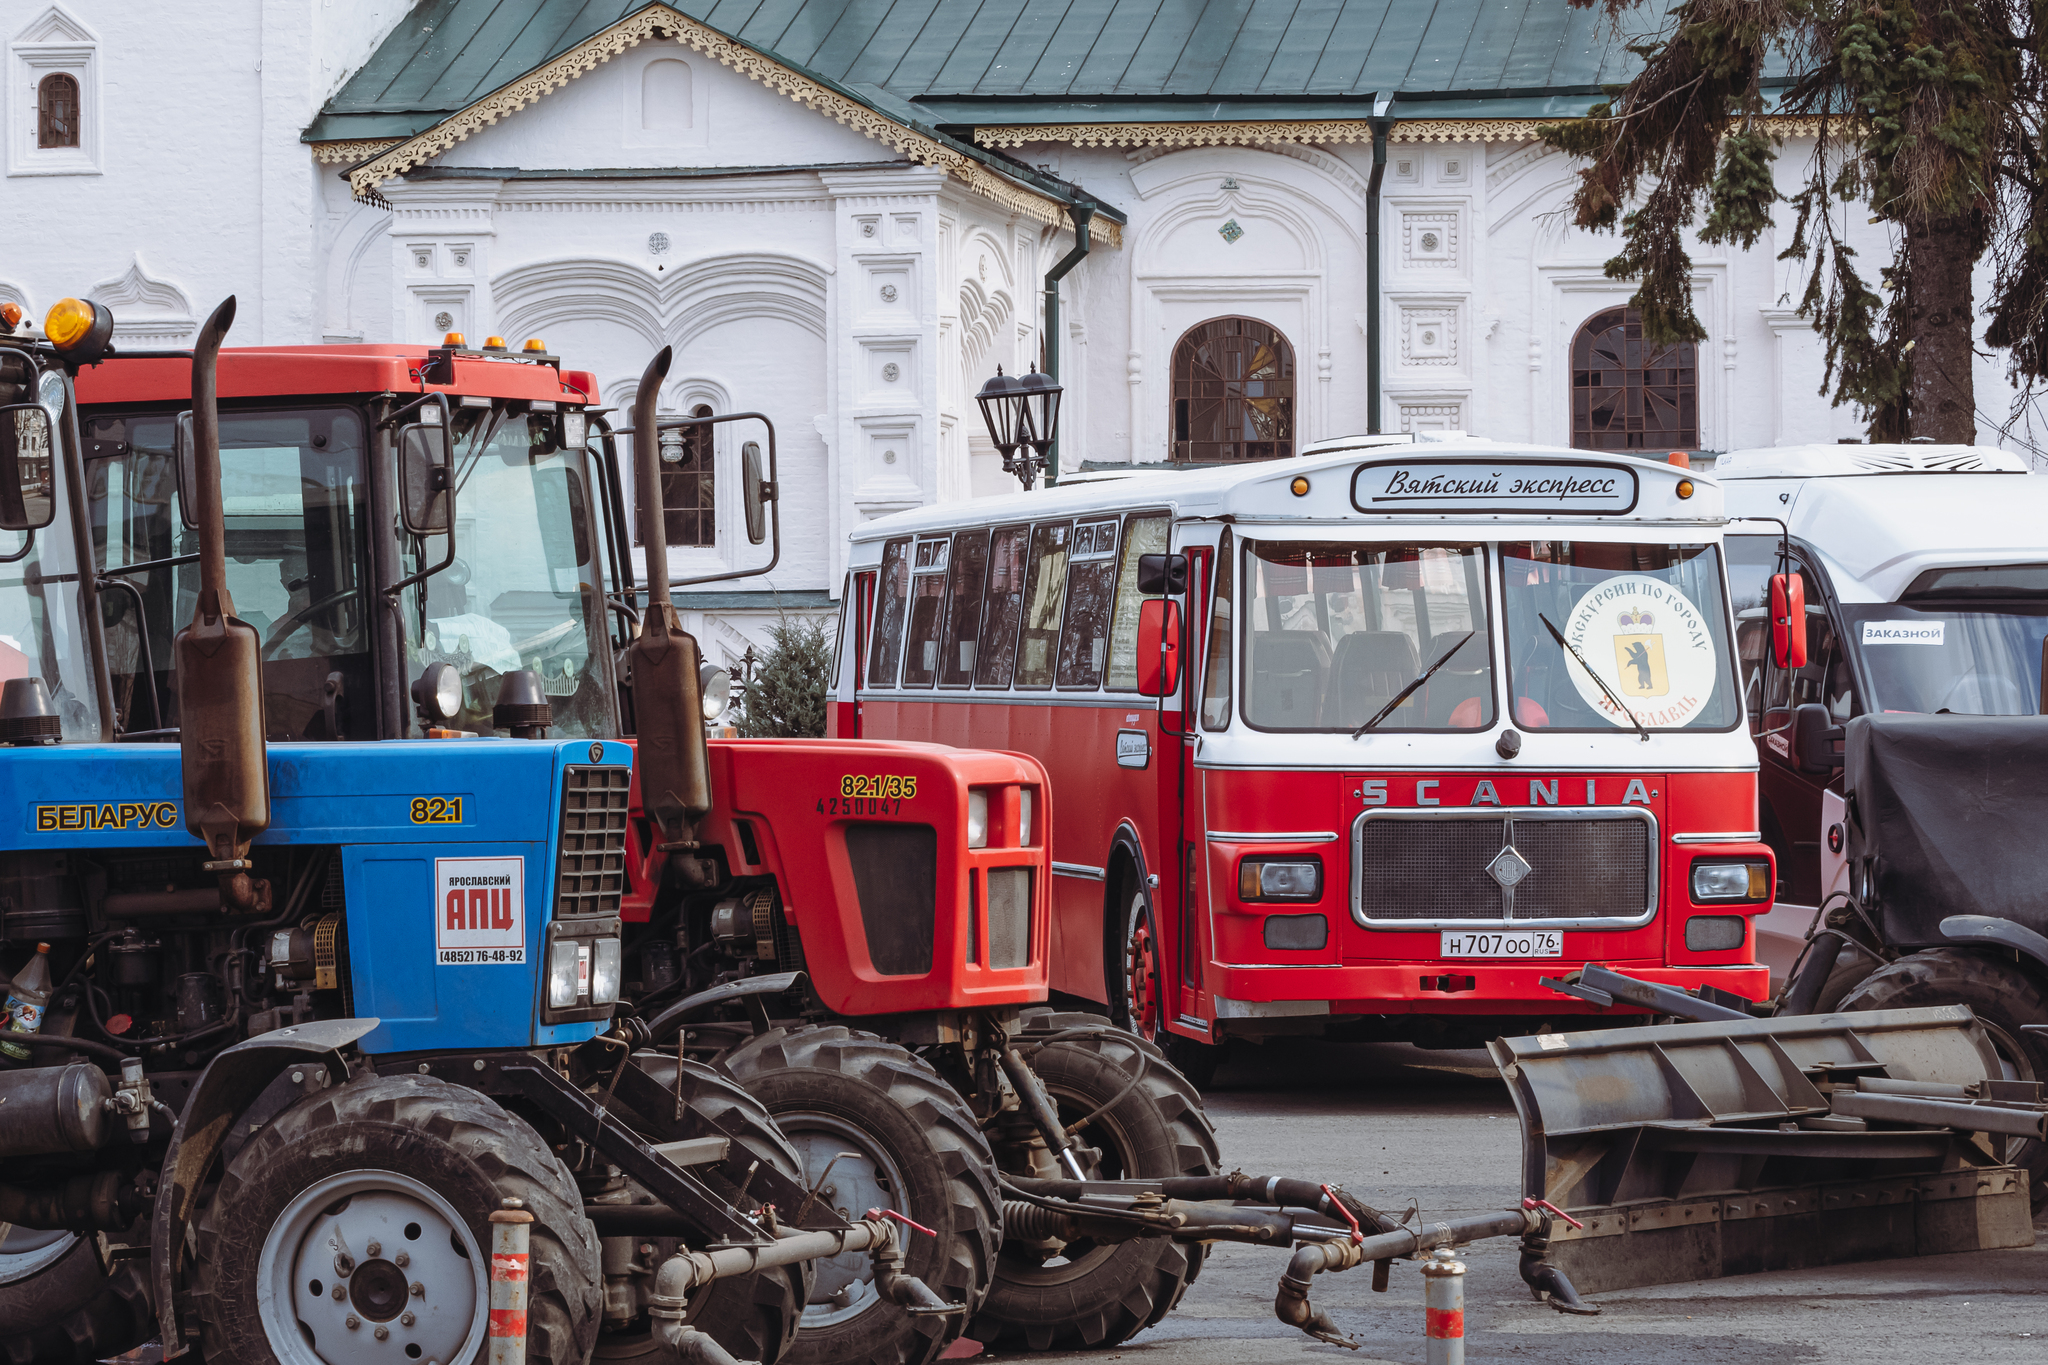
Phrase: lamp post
[1021,410]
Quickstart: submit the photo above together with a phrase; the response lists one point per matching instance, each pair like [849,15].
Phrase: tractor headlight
[438,693]
[977,818]
[575,430]
[1731,881]
[50,393]
[563,957]
[1024,818]
[604,972]
[714,685]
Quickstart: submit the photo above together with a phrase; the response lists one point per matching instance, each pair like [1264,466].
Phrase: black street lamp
[1021,411]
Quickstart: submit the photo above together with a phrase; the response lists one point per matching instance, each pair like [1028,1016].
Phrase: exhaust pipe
[668,708]
[220,668]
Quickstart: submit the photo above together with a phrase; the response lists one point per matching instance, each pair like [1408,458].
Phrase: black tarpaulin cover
[1952,811]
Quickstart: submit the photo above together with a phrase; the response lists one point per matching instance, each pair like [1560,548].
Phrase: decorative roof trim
[1215,134]
[348,153]
[658,22]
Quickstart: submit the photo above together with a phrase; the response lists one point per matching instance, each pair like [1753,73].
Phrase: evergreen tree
[786,699]
[1929,115]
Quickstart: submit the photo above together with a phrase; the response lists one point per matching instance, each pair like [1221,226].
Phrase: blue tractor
[291,1016]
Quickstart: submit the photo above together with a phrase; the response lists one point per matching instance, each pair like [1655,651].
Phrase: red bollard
[1443,1296]
[510,1226]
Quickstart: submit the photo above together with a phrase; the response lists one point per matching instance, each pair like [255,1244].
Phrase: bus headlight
[563,956]
[604,972]
[977,818]
[1290,879]
[1731,881]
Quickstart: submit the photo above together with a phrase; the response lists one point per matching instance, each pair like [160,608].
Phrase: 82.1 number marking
[436,810]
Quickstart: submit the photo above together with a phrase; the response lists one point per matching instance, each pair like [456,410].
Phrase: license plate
[1515,943]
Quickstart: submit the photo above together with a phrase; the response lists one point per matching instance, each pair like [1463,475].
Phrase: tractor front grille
[1592,867]
[896,875]
[590,862]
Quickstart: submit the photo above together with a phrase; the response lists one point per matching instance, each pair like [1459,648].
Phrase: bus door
[1191,894]
[856,621]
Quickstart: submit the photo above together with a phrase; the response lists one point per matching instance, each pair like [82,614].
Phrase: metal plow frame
[1693,1151]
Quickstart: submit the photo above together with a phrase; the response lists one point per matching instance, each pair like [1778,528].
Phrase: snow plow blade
[1693,1151]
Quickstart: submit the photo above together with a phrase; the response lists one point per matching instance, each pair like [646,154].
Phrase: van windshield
[1949,656]
[1334,631]
[1649,620]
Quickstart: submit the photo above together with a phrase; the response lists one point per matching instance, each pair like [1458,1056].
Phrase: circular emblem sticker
[1647,641]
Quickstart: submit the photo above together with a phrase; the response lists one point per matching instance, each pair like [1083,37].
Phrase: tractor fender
[2001,932]
[232,1081]
[663,1026]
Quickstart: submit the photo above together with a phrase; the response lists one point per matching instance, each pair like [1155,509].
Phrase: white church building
[843,215]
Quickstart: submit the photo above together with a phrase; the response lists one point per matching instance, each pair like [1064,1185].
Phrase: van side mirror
[28,468]
[1788,620]
[1816,739]
[1158,644]
[1162,574]
[426,478]
[756,492]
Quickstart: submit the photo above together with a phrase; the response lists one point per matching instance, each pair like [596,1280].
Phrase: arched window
[689,513]
[1233,392]
[665,96]
[57,111]
[1630,394]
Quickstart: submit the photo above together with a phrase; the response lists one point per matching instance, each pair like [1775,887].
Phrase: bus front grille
[1529,866]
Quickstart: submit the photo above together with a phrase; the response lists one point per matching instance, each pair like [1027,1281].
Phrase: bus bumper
[1441,987]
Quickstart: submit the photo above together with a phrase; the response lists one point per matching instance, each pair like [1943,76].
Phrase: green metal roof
[1049,61]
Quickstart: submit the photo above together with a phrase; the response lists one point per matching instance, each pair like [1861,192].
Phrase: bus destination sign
[1460,486]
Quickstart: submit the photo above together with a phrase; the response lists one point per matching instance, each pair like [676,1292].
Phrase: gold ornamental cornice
[347,153]
[659,23]
[1252,132]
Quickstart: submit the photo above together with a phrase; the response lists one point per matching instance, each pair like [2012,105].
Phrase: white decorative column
[1789,374]
[441,233]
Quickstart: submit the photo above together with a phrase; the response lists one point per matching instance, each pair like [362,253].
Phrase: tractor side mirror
[28,468]
[756,492]
[1788,620]
[184,461]
[1162,574]
[1158,643]
[426,477]
[1816,739]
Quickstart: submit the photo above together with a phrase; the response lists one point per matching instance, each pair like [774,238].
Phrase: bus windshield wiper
[1409,690]
[1566,645]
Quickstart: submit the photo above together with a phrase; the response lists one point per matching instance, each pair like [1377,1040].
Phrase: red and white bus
[1298,836]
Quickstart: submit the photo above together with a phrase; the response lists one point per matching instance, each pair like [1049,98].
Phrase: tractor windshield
[524,590]
[296,508]
[42,624]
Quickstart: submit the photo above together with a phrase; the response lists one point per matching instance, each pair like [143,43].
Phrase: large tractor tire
[2001,996]
[1137,979]
[58,1308]
[877,1127]
[1082,1295]
[753,1317]
[403,1172]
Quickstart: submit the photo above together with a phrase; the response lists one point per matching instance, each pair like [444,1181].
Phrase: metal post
[1372,271]
[1443,1297]
[1080,210]
[510,1227]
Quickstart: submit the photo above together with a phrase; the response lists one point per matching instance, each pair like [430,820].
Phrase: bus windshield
[1334,632]
[1648,620]
[523,591]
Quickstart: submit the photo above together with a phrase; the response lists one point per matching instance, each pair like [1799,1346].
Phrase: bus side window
[894,595]
[927,607]
[962,635]
[1143,535]
[1045,592]
[1216,671]
[996,656]
[1091,584]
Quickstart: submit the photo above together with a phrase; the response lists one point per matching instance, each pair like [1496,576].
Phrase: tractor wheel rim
[866,1177]
[1051,1263]
[1141,973]
[393,1249]
[30,1251]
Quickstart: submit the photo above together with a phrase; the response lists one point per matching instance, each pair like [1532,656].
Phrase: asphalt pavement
[1396,1125]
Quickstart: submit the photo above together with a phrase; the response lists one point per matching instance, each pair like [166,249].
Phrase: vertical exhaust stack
[219,668]
[668,710]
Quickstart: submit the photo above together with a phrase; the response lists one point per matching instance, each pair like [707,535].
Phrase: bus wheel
[1051,1295]
[1140,1006]
[59,1307]
[358,1221]
[2001,996]
[880,1129]
[754,1317]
